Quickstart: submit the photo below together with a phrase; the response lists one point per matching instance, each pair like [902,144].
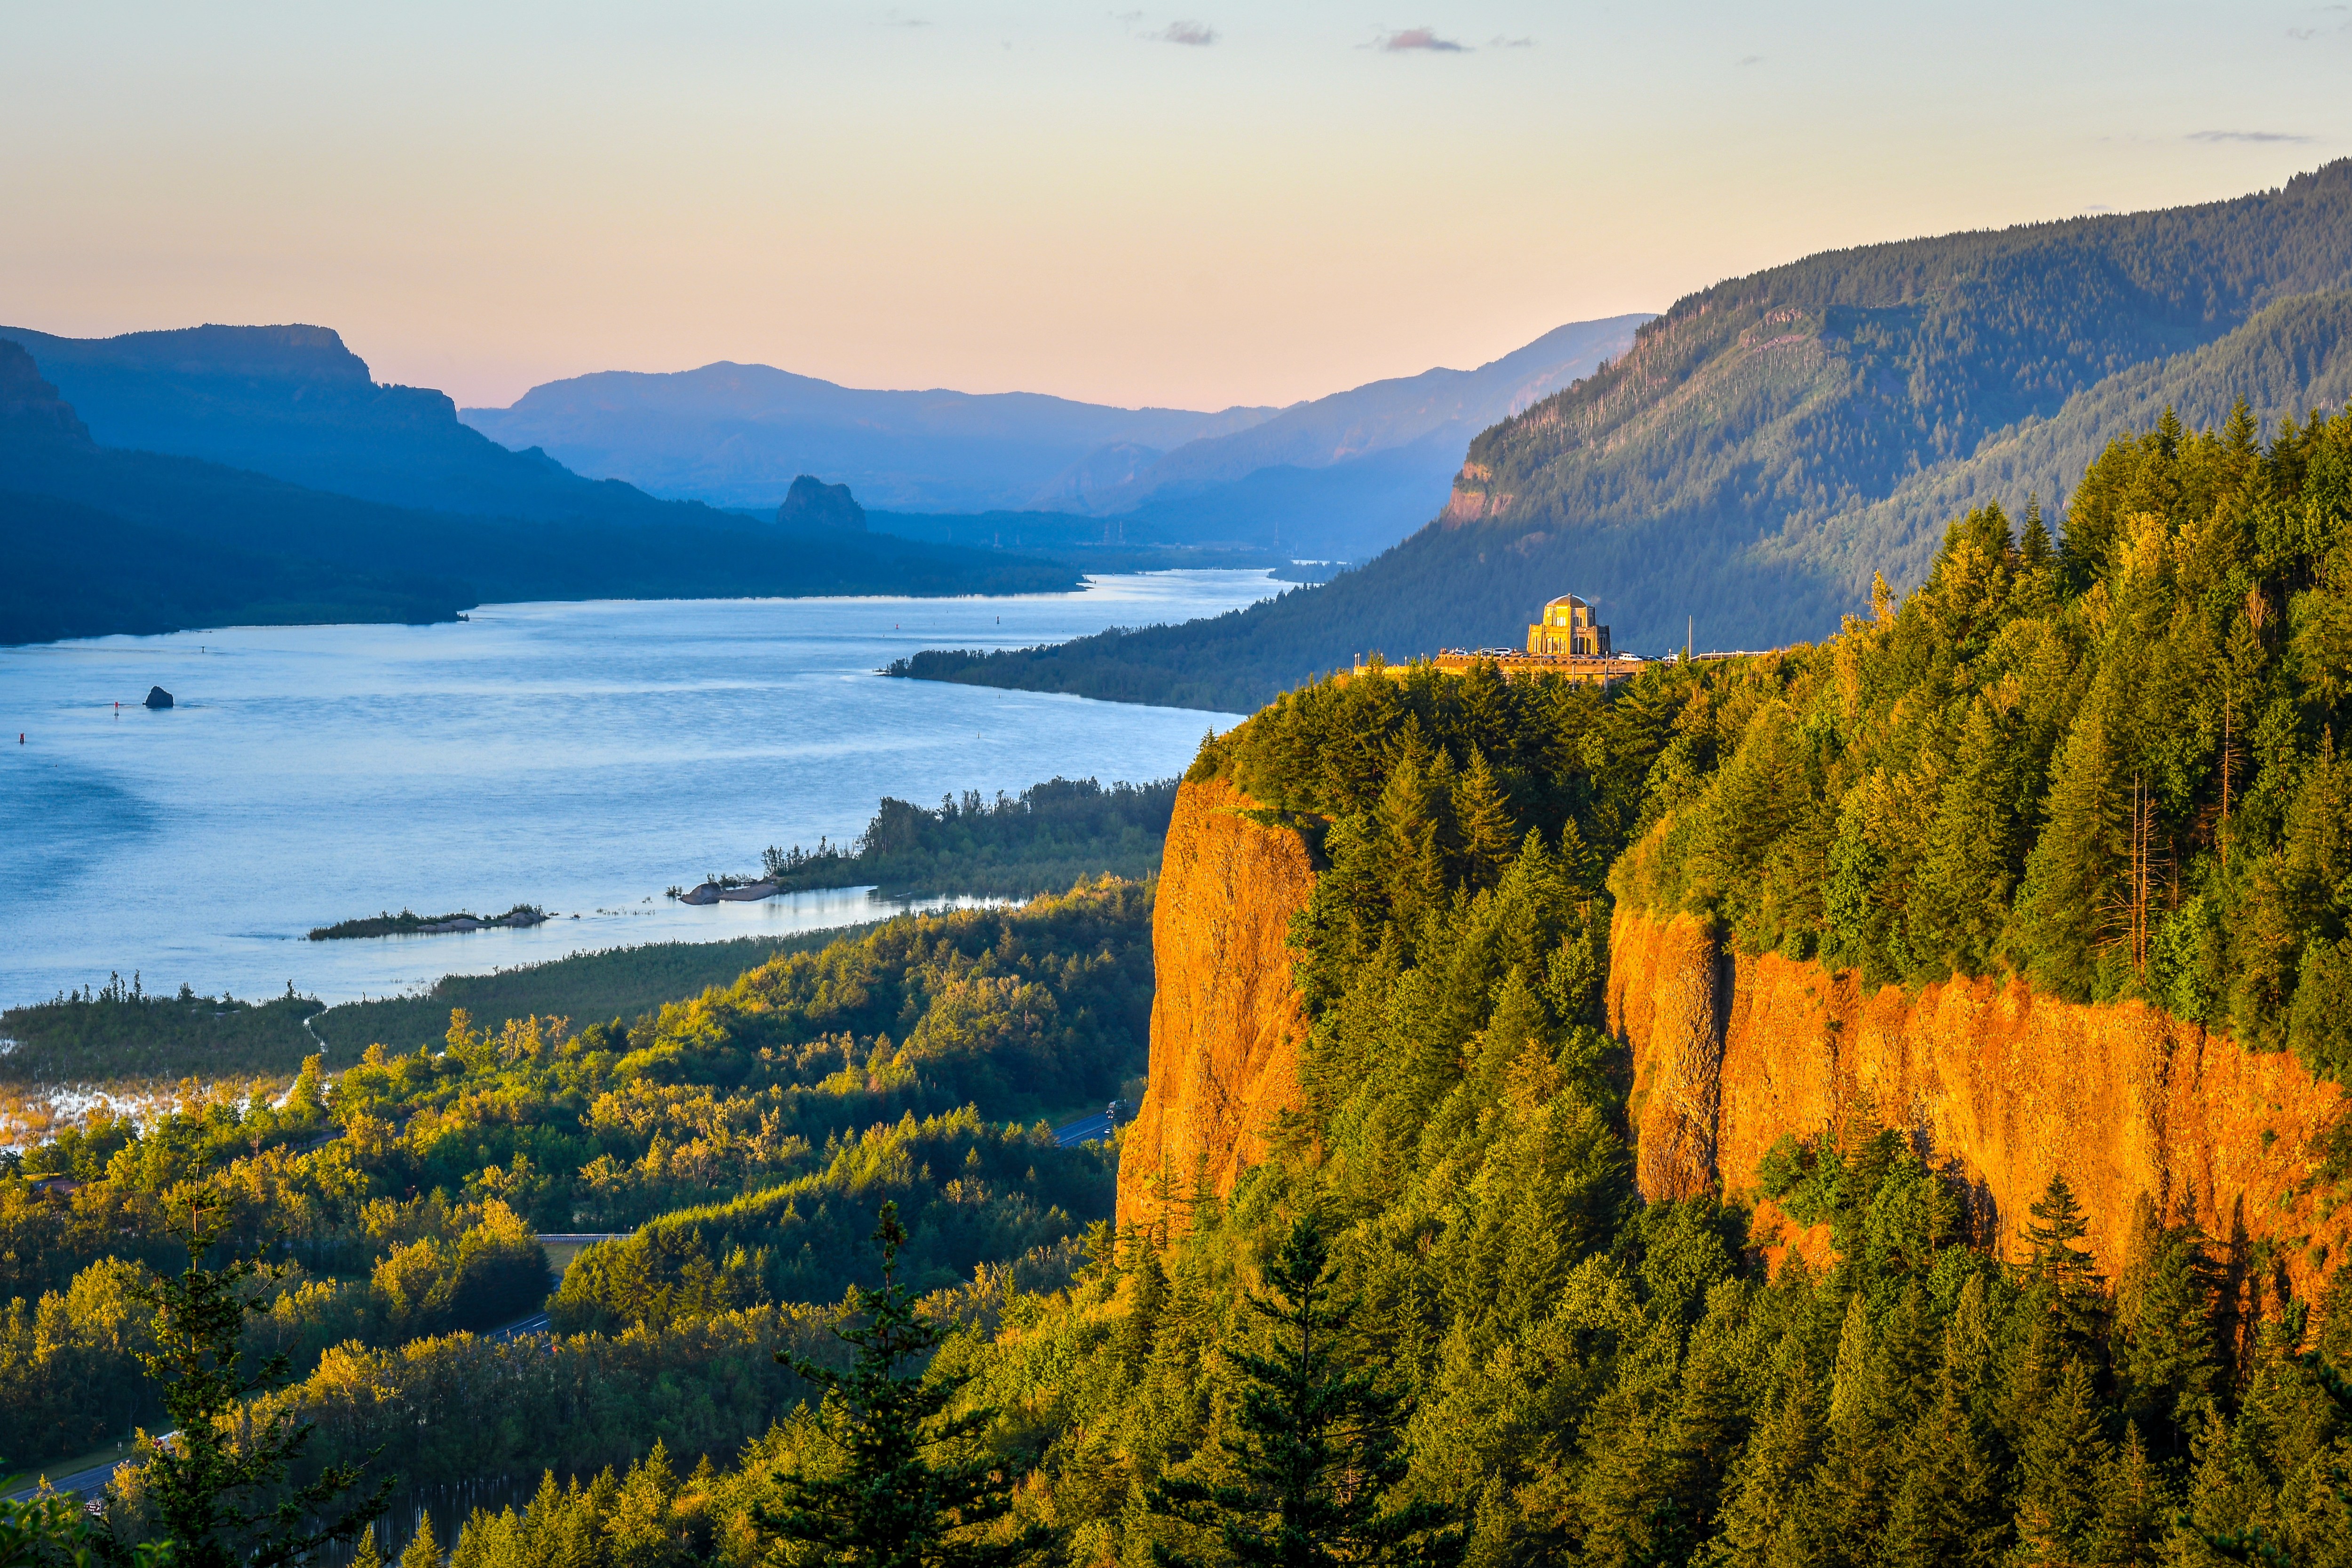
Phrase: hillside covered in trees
[771,1115]
[2022,765]
[1439,1323]
[103,538]
[1043,839]
[1771,443]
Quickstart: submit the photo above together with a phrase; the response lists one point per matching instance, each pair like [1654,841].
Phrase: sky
[1222,205]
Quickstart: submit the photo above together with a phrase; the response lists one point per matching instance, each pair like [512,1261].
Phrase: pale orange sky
[1195,209]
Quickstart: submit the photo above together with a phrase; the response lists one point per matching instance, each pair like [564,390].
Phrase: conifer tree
[904,1497]
[2168,1359]
[640,1525]
[2061,1271]
[1580,866]
[2061,1467]
[367,1554]
[2034,551]
[1318,1446]
[1861,1449]
[1771,1516]
[2135,1507]
[1482,819]
[209,1484]
[423,1551]
[1949,1506]
[1147,1295]
[1960,902]
[2078,863]
[1630,1512]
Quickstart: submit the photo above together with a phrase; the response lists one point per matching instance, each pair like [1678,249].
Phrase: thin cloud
[897,19]
[1751,59]
[2247,136]
[1197,35]
[1424,40]
[1501,43]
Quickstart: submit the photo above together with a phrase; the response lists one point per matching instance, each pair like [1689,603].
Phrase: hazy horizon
[1194,210]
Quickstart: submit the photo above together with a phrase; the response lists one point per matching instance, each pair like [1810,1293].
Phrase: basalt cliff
[1226,1024]
[1997,1086]
[2000,1087]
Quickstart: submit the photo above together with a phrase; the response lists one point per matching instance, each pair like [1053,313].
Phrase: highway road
[81,1483]
[1091,1128]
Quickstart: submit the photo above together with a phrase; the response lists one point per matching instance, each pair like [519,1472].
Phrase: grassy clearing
[120,1034]
[588,988]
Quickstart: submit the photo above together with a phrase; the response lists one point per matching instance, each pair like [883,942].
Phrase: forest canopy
[2108,761]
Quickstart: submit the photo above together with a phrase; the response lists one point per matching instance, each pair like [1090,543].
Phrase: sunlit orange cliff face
[1999,1087]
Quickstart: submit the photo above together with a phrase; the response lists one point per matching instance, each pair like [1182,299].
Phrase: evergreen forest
[2093,752]
[1037,841]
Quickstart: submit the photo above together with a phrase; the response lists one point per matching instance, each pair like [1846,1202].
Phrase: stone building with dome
[1568,631]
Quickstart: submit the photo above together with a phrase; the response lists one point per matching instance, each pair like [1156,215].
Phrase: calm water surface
[582,757]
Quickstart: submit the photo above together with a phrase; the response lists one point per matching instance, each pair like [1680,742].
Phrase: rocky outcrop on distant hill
[1741,473]
[1226,1022]
[735,434]
[813,503]
[30,409]
[1448,405]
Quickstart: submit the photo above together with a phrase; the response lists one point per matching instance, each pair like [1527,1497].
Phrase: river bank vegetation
[122,1033]
[124,1040]
[1040,840]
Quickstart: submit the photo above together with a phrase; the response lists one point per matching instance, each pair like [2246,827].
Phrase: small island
[409,924]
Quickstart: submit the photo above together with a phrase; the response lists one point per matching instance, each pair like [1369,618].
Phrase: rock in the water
[813,503]
[158,698]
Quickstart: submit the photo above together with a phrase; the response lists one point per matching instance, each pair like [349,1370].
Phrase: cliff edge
[1226,1024]
[1997,1085]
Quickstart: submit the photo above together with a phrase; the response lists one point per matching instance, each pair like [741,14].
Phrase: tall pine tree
[1319,1445]
[910,1491]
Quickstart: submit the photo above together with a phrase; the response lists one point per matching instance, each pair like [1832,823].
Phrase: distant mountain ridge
[1772,441]
[294,402]
[1438,411]
[98,538]
[1338,476]
[737,435]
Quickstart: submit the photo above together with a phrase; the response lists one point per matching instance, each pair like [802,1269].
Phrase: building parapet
[1513,664]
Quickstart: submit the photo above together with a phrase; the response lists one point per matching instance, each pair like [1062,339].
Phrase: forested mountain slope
[745,1134]
[2287,359]
[101,540]
[293,402]
[2100,766]
[1772,441]
[1424,1258]
[1438,408]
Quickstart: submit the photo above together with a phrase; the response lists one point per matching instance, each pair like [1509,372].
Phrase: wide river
[583,757]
